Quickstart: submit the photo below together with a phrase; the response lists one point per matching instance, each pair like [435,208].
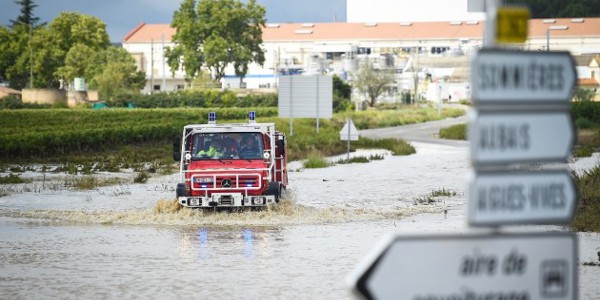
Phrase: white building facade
[360,11]
[428,51]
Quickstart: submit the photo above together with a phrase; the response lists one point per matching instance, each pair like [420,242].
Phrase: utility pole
[164,83]
[30,57]
[152,66]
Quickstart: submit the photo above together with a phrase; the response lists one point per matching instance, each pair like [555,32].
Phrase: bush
[15,102]
[588,110]
[315,161]
[583,123]
[455,132]
[194,98]
[588,186]
[141,177]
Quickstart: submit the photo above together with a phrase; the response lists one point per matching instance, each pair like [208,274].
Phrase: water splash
[170,213]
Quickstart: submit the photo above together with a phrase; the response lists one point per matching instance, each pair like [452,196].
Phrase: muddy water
[131,241]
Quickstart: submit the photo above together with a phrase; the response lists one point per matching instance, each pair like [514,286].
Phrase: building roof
[587,27]
[9,91]
[589,82]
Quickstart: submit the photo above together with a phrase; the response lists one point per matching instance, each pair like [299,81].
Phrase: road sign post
[510,137]
[521,118]
[472,266]
[500,198]
[349,133]
[515,77]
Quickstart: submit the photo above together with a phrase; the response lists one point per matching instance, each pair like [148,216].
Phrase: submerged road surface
[127,241]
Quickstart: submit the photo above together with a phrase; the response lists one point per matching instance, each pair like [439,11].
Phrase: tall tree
[114,72]
[216,34]
[26,17]
[372,82]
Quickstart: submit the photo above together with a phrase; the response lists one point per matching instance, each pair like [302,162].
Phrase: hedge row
[47,132]
[203,98]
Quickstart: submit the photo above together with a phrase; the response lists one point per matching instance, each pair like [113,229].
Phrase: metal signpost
[521,120]
[471,266]
[520,137]
[349,133]
[543,197]
[514,77]
[305,97]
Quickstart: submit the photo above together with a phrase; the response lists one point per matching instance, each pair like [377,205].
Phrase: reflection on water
[249,238]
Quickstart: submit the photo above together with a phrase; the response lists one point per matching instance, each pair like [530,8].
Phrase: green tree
[69,33]
[16,55]
[118,73]
[79,62]
[583,94]
[216,34]
[26,17]
[372,82]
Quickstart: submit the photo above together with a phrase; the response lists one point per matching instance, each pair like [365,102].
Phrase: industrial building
[438,51]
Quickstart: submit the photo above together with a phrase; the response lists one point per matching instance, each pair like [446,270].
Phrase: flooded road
[129,241]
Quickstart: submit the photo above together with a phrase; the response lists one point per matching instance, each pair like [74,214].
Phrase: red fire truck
[230,165]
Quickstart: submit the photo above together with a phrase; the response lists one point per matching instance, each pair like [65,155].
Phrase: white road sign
[305,96]
[471,266]
[505,76]
[514,137]
[349,132]
[543,197]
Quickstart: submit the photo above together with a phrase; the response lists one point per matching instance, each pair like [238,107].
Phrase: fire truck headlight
[188,156]
[266,155]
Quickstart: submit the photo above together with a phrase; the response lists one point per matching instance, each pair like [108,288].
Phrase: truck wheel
[181,190]
[274,189]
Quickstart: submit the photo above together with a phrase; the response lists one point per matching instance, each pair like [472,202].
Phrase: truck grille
[226,181]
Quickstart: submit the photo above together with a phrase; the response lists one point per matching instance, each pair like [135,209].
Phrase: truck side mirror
[177,148]
[281,146]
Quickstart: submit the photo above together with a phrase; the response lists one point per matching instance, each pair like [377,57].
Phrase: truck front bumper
[227,200]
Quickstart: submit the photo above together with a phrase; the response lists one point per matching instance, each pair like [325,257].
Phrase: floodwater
[130,241]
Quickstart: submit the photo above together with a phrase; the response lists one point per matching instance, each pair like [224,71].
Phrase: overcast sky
[121,16]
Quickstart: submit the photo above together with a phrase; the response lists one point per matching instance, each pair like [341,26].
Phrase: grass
[12,179]
[587,217]
[90,182]
[455,132]
[434,196]
[315,161]
[360,159]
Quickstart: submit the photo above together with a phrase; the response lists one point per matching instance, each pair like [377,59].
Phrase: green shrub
[12,179]
[589,110]
[196,98]
[142,177]
[583,123]
[356,159]
[588,186]
[314,161]
[455,132]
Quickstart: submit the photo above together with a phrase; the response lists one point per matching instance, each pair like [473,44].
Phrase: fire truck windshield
[230,145]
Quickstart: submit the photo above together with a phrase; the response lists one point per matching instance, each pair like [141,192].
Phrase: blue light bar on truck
[212,117]
[252,117]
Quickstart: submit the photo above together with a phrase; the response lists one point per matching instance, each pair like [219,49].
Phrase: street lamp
[556,27]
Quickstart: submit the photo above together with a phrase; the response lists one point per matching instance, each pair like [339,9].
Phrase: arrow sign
[349,132]
[544,197]
[520,137]
[472,266]
[505,76]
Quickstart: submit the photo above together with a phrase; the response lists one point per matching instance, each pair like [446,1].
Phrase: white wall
[409,10]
